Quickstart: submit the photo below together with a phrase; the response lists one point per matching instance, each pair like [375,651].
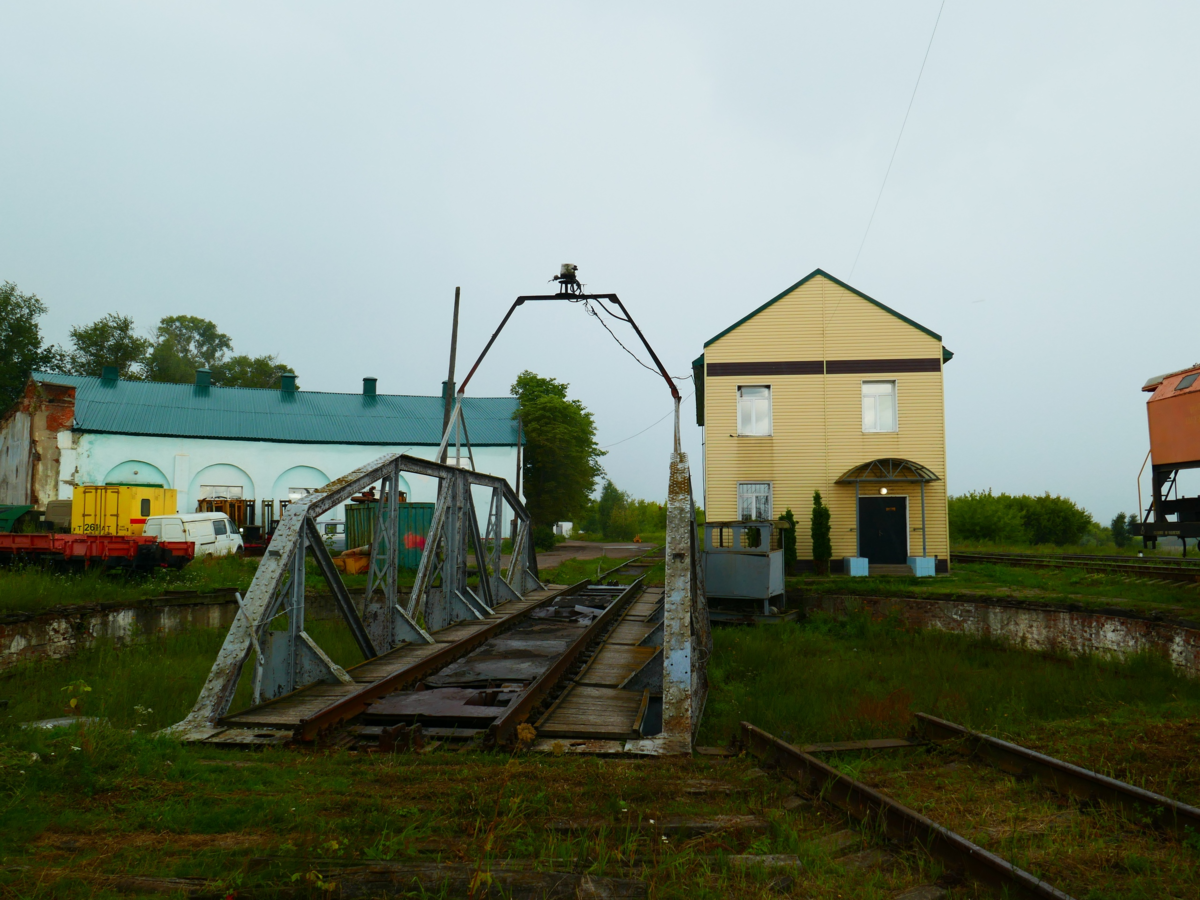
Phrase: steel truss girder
[687,635]
[287,660]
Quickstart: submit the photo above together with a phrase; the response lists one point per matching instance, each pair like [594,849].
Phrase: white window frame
[222,492]
[770,410]
[895,399]
[770,499]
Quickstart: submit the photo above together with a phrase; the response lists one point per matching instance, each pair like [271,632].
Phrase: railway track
[1181,571]
[903,824]
[480,678]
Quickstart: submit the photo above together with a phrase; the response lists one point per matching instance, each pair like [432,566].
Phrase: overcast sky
[317,178]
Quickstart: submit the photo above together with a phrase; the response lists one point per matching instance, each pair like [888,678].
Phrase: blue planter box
[922,566]
[856,566]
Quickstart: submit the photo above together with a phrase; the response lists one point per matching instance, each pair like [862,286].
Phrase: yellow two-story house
[824,388]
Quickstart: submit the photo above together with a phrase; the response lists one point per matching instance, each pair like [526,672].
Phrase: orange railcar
[1173,416]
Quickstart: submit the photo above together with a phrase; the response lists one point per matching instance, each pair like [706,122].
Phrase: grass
[1132,549]
[97,803]
[829,678]
[1096,852]
[32,589]
[1056,586]
[571,571]
[146,685]
[81,806]
[35,588]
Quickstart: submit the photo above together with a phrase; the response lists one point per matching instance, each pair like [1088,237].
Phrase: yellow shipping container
[119,509]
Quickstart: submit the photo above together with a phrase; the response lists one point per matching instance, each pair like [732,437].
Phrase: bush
[1120,529]
[543,537]
[822,546]
[616,516]
[1007,519]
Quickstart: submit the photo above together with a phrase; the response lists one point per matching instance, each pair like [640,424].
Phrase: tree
[250,372]
[1120,529]
[612,501]
[183,344]
[108,342]
[984,516]
[562,459]
[21,349]
[822,546]
[1007,519]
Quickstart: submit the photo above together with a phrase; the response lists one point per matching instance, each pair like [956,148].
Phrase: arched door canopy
[889,469]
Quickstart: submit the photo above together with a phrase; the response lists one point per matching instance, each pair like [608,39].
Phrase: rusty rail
[1185,573]
[354,704]
[898,821]
[1061,776]
[500,731]
[1176,561]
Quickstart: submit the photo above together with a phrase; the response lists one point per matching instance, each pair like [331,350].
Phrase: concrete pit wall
[64,631]
[1074,632]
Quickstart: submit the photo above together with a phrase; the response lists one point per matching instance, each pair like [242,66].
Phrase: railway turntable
[582,663]
[478,649]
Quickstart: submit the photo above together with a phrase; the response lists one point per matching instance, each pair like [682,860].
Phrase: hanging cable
[863,242]
[644,430]
[592,312]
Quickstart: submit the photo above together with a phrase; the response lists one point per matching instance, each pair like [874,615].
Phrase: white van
[214,534]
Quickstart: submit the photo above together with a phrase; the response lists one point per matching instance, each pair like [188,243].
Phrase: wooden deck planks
[290,711]
[592,708]
[393,661]
[614,663]
[631,631]
[594,712]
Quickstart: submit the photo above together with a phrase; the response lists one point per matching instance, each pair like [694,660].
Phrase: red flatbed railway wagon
[140,552]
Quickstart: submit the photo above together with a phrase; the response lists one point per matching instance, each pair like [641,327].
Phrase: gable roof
[946,354]
[267,414]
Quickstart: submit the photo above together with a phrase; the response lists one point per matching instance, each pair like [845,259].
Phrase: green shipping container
[413,523]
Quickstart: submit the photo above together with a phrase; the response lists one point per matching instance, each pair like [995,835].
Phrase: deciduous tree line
[173,351]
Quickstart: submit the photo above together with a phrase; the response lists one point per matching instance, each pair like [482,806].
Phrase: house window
[754,501]
[754,410]
[299,493]
[220,492]
[879,406]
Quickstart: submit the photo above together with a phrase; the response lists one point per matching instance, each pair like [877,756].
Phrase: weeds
[147,684]
[842,679]
[1095,590]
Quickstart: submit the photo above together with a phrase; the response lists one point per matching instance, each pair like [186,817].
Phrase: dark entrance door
[883,522]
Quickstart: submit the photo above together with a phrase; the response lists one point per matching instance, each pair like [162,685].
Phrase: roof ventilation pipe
[369,386]
[203,377]
[287,382]
[109,373]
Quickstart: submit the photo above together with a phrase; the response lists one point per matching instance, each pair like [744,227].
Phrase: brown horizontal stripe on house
[802,367]
[874,366]
[835,367]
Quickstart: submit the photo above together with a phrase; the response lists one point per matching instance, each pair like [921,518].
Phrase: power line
[592,312]
[644,430]
[898,137]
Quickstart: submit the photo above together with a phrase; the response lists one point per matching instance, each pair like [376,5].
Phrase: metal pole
[450,379]
[517,483]
[857,529]
[924,548]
